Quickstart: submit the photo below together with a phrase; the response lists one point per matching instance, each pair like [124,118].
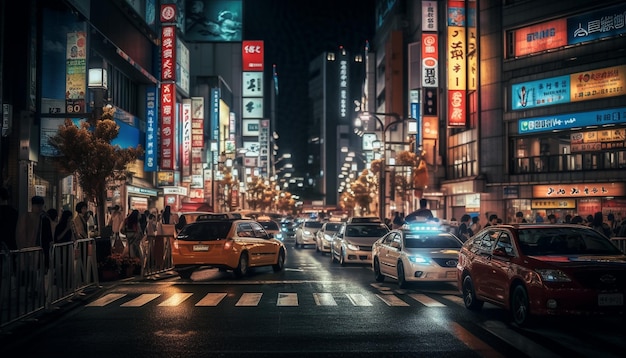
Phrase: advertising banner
[252,56]
[579,190]
[168,53]
[168,120]
[572,120]
[150,162]
[540,37]
[430,60]
[214,21]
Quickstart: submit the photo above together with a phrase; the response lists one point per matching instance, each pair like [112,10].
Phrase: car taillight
[228,244]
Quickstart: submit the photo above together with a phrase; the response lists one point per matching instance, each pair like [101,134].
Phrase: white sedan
[416,254]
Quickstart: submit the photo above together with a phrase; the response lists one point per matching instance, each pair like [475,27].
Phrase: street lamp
[384,128]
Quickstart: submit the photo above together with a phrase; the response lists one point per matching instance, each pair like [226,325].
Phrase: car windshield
[564,241]
[431,241]
[205,231]
[269,225]
[366,230]
[333,227]
[313,224]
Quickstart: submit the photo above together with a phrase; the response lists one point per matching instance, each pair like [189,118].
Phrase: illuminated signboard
[252,56]
[576,87]
[168,53]
[578,190]
[572,120]
[185,153]
[168,119]
[214,21]
[150,163]
[596,25]
[541,37]
[430,59]
[429,16]
[197,122]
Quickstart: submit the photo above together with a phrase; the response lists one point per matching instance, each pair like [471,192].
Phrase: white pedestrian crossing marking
[176,299]
[425,300]
[287,299]
[324,299]
[456,299]
[391,300]
[358,299]
[249,299]
[211,299]
[105,300]
[141,300]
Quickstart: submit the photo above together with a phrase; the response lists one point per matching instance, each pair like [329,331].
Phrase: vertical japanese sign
[457,65]
[185,153]
[168,101]
[197,122]
[75,72]
[343,88]
[430,60]
[168,53]
[150,164]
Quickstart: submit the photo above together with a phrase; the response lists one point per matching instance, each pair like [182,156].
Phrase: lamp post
[384,128]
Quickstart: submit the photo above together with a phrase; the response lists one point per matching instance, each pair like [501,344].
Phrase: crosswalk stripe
[141,300]
[392,300]
[287,299]
[106,299]
[456,299]
[324,299]
[176,299]
[211,299]
[425,300]
[249,299]
[358,299]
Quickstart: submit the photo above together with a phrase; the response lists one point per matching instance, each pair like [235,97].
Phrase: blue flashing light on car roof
[423,227]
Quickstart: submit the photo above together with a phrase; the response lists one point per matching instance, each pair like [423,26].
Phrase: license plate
[200,247]
[610,299]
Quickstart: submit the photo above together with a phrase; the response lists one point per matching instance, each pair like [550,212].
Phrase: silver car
[325,236]
[416,253]
[353,243]
[306,232]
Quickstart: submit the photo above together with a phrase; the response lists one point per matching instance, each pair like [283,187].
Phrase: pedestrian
[552,219]
[423,211]
[475,226]
[53,214]
[152,226]
[568,219]
[8,222]
[143,221]
[63,230]
[79,223]
[34,228]
[115,221]
[493,220]
[519,218]
[538,218]
[397,221]
[613,225]
[464,232]
[168,217]
[577,219]
[131,228]
[598,224]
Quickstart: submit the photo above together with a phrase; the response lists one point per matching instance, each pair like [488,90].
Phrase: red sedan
[542,269]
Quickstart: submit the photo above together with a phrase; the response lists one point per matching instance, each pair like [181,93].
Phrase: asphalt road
[312,308]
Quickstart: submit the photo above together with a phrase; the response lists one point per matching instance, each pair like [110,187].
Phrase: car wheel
[520,310]
[401,279]
[280,264]
[377,275]
[242,268]
[469,295]
[342,258]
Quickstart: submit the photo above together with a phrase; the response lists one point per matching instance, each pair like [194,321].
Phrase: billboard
[214,20]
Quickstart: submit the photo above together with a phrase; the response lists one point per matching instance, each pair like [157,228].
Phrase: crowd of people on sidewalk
[42,228]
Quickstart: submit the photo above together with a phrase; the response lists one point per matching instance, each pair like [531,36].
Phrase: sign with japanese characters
[168,120]
[430,60]
[168,53]
[572,120]
[429,16]
[252,55]
[579,190]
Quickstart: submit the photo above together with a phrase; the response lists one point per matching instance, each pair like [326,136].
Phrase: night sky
[295,32]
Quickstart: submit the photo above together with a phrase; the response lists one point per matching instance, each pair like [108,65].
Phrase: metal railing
[620,242]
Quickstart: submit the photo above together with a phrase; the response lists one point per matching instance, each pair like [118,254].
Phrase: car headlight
[307,232]
[352,247]
[417,259]
[551,275]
